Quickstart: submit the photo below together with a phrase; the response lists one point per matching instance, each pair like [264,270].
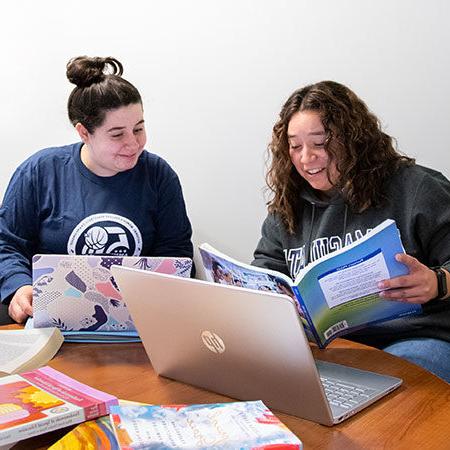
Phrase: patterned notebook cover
[78,293]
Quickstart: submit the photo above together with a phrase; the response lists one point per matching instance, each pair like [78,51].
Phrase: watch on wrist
[441,282]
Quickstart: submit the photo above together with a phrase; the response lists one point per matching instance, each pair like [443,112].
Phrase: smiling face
[306,137]
[116,145]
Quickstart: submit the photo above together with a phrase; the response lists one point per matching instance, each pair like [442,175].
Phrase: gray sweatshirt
[419,202]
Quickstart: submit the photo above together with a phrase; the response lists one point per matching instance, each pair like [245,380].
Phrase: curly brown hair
[364,155]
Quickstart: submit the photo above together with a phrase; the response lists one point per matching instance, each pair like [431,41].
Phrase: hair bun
[84,70]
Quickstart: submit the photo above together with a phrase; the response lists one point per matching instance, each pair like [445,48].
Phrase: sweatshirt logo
[105,234]
[296,257]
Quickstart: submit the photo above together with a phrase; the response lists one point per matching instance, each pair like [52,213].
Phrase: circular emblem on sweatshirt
[105,234]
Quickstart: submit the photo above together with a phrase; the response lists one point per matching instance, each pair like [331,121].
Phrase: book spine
[308,317]
[66,388]
[72,384]
[36,428]
[97,410]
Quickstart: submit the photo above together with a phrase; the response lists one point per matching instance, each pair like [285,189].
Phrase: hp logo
[213,342]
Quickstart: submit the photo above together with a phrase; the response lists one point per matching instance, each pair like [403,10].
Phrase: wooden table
[417,415]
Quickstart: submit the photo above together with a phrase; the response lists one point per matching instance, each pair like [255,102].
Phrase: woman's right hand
[20,306]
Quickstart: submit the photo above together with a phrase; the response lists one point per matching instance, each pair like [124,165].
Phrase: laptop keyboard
[344,394]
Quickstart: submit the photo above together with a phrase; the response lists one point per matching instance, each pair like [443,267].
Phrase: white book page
[355,281]
[248,267]
[19,346]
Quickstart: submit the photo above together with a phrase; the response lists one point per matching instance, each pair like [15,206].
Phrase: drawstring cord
[308,243]
[345,226]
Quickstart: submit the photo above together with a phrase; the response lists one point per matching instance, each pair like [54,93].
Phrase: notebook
[77,293]
[242,343]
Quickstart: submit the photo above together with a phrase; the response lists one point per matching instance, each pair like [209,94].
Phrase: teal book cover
[339,293]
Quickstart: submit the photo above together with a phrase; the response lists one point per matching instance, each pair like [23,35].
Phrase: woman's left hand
[419,286]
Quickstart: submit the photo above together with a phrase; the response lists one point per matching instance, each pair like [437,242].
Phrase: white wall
[214,74]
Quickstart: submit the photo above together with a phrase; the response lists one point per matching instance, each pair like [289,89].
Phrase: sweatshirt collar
[310,195]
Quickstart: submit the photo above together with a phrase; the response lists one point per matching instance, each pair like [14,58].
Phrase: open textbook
[337,293]
[22,350]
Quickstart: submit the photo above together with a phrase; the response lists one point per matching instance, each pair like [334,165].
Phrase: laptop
[242,343]
[78,292]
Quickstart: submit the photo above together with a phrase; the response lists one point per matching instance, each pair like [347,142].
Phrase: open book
[27,349]
[337,293]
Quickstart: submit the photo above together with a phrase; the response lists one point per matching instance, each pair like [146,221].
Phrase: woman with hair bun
[103,195]
[335,175]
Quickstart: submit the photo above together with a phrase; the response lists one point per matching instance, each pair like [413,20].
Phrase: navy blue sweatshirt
[55,205]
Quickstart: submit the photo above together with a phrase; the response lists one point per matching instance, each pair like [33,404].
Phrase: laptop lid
[243,343]
[79,293]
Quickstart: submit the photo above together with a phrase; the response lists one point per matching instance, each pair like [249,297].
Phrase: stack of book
[44,400]
[217,426]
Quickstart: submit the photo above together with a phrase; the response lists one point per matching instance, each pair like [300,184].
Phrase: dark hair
[215,265]
[99,88]
[364,155]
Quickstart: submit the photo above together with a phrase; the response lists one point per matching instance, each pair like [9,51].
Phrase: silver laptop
[244,344]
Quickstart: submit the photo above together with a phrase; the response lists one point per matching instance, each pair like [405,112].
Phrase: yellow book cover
[92,435]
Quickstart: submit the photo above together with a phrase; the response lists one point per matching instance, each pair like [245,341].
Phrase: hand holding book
[337,293]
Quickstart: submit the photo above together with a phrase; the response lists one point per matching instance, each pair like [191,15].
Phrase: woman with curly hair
[335,175]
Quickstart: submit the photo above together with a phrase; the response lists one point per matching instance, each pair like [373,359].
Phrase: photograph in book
[337,293]
[222,269]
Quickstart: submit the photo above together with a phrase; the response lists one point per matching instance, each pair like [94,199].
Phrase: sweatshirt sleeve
[432,219]
[173,228]
[269,252]
[18,232]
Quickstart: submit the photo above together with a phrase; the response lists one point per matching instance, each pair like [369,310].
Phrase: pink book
[43,400]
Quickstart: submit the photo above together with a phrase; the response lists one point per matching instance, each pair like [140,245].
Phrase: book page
[22,349]
[354,280]
[222,269]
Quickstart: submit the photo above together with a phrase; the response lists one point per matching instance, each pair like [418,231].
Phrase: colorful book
[337,293]
[217,426]
[43,400]
[95,434]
